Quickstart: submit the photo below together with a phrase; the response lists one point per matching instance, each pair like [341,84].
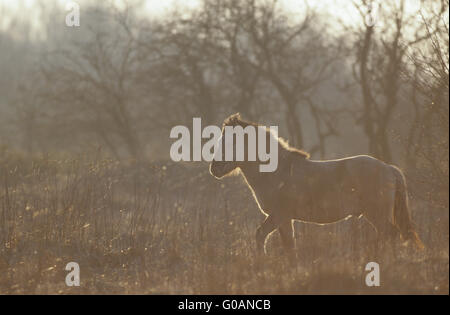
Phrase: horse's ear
[232,119]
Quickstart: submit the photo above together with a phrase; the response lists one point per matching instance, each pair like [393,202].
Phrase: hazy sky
[29,10]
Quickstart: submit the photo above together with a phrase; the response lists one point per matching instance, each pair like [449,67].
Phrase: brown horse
[321,191]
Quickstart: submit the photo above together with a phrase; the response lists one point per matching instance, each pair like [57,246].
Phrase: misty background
[86,112]
[334,85]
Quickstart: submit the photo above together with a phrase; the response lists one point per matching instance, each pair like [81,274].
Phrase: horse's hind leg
[267,227]
[387,233]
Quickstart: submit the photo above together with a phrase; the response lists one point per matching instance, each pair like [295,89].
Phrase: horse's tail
[402,216]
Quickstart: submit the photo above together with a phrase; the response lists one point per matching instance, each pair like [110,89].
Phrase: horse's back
[354,160]
[365,172]
[354,166]
[358,166]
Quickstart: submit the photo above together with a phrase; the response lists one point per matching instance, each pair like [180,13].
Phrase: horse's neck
[288,162]
[258,183]
[258,179]
[252,174]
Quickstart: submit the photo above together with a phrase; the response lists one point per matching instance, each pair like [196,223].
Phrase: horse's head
[219,167]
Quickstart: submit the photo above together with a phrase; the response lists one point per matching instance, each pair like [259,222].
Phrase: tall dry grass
[172,228]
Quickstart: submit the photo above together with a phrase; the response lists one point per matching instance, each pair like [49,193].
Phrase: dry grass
[141,228]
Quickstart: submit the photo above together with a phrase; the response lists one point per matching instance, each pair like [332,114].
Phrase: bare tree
[229,54]
[427,145]
[381,55]
[91,81]
[261,47]
[292,55]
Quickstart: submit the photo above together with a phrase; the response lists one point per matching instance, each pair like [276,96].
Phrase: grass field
[173,228]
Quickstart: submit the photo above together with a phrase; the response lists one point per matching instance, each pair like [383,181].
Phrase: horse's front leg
[288,239]
[267,227]
[287,236]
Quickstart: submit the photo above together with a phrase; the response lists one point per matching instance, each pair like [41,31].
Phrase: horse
[323,192]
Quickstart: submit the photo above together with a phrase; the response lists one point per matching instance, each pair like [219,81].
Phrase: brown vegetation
[142,228]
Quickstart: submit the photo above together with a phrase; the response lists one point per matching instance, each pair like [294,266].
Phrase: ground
[172,228]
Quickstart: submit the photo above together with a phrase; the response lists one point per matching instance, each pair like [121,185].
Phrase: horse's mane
[236,119]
